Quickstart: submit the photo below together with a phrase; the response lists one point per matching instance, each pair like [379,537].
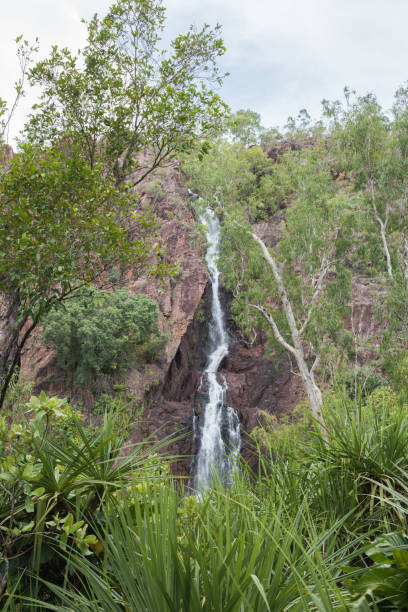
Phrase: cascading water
[219,434]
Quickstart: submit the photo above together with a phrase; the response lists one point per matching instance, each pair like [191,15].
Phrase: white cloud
[282,54]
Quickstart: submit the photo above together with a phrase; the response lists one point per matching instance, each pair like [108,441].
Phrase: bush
[322,527]
[122,406]
[100,333]
[361,380]
[56,475]
[155,192]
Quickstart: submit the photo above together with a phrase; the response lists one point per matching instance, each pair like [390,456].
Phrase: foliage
[372,148]
[61,224]
[316,236]
[319,521]
[25,52]
[18,392]
[319,525]
[123,93]
[385,582]
[154,566]
[97,334]
[397,369]
[155,191]
[245,127]
[302,130]
[360,380]
[234,173]
[122,405]
[56,475]
[284,434]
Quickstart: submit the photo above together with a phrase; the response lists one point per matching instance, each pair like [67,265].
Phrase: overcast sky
[283,55]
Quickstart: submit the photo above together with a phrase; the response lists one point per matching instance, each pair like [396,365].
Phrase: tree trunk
[312,390]
[296,349]
[10,342]
[9,330]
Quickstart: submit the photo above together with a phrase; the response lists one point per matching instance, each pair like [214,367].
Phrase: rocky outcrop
[255,383]
[364,322]
[276,151]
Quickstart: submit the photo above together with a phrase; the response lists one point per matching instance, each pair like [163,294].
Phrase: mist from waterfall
[219,434]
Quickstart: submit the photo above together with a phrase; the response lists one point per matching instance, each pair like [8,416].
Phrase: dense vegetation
[335,192]
[320,523]
[317,517]
[101,332]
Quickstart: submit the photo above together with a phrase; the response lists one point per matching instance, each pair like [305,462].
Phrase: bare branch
[287,306]
[315,365]
[267,315]
[324,268]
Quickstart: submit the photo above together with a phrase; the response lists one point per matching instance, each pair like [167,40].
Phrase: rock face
[254,383]
[257,381]
[363,322]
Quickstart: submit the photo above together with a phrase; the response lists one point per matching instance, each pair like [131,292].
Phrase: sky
[282,55]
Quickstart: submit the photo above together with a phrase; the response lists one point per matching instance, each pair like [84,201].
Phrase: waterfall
[219,433]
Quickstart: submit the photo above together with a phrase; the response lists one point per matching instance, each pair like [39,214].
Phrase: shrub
[361,380]
[122,405]
[385,581]
[56,475]
[99,334]
[155,192]
[396,365]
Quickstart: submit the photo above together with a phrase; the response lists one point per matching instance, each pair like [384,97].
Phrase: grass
[295,535]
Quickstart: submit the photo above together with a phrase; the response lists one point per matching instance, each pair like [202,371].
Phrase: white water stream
[220,437]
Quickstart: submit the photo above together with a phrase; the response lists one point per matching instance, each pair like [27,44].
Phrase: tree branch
[287,307]
[267,315]
[324,268]
[383,227]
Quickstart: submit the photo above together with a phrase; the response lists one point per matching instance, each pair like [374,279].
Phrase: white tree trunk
[383,228]
[312,390]
[385,246]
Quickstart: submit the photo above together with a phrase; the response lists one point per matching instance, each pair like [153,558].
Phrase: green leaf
[29,504]
[261,590]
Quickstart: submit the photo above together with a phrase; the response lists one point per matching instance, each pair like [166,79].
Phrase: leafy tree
[67,211]
[96,334]
[122,93]
[25,52]
[302,129]
[373,150]
[235,172]
[61,225]
[245,127]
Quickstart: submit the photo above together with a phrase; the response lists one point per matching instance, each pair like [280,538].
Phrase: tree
[123,94]
[235,172]
[62,224]
[25,52]
[97,334]
[66,207]
[297,290]
[373,150]
[245,127]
